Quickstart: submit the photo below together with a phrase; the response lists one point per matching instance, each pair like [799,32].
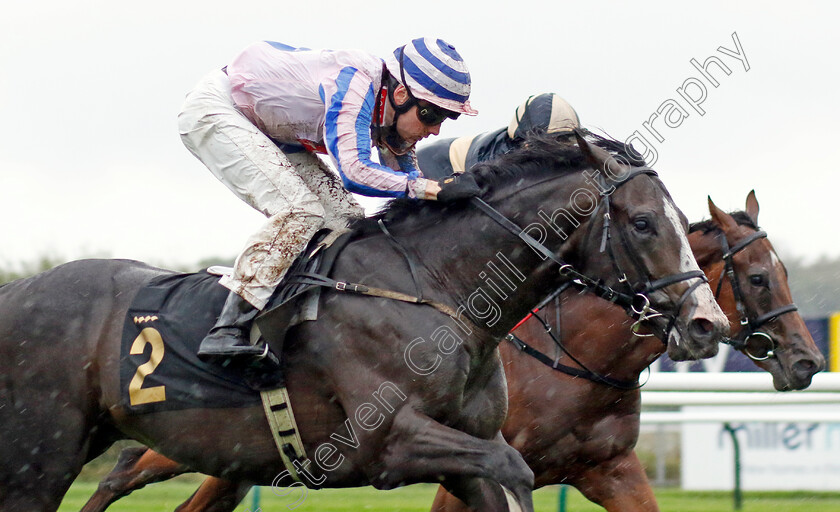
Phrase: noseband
[750,327]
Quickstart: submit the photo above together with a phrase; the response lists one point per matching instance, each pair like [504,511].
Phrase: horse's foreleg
[619,484]
[215,495]
[446,502]
[136,467]
[419,449]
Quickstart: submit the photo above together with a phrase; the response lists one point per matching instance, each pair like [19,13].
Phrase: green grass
[418,498]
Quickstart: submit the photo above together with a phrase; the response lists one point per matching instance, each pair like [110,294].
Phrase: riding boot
[229,339]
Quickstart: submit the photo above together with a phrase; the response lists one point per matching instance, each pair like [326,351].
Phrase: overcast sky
[91,162]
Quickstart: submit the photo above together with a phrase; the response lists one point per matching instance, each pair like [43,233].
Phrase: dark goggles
[432,115]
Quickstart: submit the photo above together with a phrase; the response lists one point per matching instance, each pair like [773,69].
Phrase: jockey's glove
[457,186]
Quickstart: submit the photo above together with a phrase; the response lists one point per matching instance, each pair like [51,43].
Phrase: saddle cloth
[159,368]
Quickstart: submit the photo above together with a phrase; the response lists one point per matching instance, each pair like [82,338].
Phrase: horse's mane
[708,226]
[540,154]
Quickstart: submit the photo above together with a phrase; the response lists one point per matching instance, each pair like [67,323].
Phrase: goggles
[432,115]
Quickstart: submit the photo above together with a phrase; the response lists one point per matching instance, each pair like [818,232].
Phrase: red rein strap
[515,327]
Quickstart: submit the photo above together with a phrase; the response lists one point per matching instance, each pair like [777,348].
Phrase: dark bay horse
[437,375]
[573,430]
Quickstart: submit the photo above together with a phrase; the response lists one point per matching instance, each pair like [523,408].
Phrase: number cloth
[165,324]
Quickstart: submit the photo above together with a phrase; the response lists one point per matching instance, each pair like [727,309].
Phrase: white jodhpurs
[296,191]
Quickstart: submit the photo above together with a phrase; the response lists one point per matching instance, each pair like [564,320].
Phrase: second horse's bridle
[750,327]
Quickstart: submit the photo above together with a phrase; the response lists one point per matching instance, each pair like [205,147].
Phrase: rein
[584,372]
[750,326]
[636,304]
[554,364]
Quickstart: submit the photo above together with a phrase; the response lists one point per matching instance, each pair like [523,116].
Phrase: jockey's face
[409,126]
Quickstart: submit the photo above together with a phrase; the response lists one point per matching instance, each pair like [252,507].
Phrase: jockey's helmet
[432,70]
[544,113]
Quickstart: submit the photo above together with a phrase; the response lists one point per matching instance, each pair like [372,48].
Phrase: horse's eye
[758,280]
[641,225]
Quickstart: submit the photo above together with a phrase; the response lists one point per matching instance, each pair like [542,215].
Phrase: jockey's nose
[434,129]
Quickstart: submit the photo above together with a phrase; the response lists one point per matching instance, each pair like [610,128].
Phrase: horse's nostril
[805,368]
[700,328]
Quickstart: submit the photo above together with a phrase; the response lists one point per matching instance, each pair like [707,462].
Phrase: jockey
[544,113]
[257,124]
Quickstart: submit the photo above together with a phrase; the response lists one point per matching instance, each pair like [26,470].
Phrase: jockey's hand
[457,186]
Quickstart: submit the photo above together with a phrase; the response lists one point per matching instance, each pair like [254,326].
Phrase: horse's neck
[489,272]
[597,334]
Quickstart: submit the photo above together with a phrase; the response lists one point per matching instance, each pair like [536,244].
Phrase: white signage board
[783,455]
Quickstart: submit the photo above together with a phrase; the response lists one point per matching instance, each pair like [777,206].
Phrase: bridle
[635,300]
[750,326]
[642,309]
[740,342]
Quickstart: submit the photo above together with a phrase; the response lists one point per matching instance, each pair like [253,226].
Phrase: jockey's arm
[349,114]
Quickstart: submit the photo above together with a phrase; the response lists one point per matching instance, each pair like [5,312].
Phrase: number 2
[136,393]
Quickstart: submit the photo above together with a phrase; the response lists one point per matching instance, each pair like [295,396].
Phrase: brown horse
[433,367]
[581,431]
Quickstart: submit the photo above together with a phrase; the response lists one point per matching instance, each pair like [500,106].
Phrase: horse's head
[641,236]
[751,285]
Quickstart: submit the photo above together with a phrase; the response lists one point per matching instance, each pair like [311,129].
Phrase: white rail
[745,381]
[655,417]
[666,389]
[675,398]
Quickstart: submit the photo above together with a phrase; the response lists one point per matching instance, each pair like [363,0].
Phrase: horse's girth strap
[284,430]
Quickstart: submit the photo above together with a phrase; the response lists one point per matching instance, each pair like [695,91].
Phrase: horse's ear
[752,207]
[598,157]
[723,220]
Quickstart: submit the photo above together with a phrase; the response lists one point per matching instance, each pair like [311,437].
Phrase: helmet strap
[388,135]
[407,104]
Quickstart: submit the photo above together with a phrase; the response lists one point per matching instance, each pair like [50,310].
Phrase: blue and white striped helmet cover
[435,72]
